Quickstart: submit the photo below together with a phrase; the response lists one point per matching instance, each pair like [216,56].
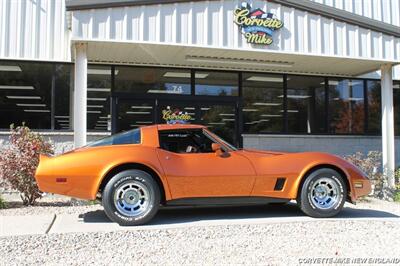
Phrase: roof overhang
[186,56]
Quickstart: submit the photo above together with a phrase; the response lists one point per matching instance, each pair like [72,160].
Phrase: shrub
[371,165]
[3,204]
[19,161]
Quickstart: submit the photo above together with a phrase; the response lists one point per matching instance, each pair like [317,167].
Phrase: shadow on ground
[177,215]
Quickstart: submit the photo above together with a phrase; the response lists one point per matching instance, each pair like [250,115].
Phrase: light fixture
[267,104]
[265,79]
[95,106]
[216,123]
[31,104]
[141,107]
[102,122]
[224,60]
[164,91]
[249,110]
[296,96]
[184,75]
[36,111]
[63,121]
[396,86]
[205,108]
[266,115]
[61,116]
[10,68]
[189,108]
[93,112]
[138,113]
[99,71]
[9,87]
[227,114]
[96,99]
[228,119]
[99,89]
[290,111]
[24,97]
[104,117]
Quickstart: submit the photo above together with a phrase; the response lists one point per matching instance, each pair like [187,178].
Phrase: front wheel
[322,194]
[131,197]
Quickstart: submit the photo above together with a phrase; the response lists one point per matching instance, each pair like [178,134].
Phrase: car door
[203,173]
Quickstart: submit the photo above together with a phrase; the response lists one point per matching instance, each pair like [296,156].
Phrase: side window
[185,141]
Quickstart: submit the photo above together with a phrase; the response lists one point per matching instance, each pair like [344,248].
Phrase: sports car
[135,172]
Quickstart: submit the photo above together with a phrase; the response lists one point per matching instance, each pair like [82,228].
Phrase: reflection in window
[98,98]
[152,80]
[374,106]
[25,94]
[263,103]
[396,101]
[346,103]
[216,83]
[306,104]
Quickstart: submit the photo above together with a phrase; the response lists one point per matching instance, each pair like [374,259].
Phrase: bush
[371,165]
[19,161]
[3,204]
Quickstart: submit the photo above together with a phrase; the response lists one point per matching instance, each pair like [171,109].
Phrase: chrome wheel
[325,193]
[132,198]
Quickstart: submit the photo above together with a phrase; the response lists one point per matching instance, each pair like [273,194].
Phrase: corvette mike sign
[257,26]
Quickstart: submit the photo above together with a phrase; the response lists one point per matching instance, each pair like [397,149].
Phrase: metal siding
[210,24]
[34,30]
[382,10]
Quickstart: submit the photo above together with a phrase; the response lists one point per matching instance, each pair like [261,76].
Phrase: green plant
[3,204]
[18,162]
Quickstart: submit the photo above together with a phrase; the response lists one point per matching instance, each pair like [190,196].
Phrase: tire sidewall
[125,177]
[306,202]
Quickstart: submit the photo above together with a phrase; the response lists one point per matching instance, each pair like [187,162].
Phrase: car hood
[264,153]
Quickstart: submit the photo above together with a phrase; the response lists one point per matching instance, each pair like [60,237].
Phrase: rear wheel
[322,194]
[131,197]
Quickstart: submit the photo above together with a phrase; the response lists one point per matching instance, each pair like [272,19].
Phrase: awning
[156,54]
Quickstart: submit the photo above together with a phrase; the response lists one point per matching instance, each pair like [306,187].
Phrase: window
[127,137]
[25,94]
[98,98]
[216,83]
[185,141]
[152,80]
[374,107]
[263,103]
[306,104]
[396,101]
[63,97]
[346,103]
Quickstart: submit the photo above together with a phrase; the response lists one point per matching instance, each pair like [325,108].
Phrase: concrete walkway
[95,221]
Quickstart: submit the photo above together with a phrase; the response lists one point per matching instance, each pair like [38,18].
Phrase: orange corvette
[136,171]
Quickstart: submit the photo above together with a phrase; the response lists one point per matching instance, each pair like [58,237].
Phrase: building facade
[280,75]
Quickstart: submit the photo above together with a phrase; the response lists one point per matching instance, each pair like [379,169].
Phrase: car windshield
[127,137]
[217,139]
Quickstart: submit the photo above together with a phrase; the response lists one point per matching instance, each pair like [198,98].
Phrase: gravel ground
[270,244]
[290,243]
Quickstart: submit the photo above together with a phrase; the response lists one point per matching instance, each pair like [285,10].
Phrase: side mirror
[216,147]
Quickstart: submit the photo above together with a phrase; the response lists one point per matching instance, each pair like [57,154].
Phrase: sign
[175,116]
[257,26]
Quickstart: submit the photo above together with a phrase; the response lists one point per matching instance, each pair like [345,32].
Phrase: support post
[80,95]
[388,140]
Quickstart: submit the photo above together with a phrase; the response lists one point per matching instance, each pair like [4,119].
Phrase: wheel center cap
[131,197]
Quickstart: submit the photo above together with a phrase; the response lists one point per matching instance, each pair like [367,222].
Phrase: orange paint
[185,175]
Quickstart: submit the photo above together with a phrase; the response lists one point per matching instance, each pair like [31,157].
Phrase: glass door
[134,113]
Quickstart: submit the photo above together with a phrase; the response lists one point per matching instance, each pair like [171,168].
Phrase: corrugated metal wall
[387,11]
[211,24]
[34,30]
